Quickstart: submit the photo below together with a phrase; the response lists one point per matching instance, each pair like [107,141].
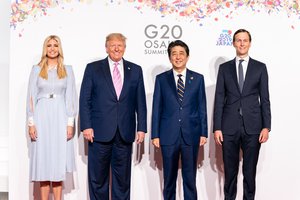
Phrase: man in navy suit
[112,101]
[179,121]
[242,115]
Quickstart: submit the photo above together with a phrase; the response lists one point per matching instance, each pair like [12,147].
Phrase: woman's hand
[32,132]
[70,131]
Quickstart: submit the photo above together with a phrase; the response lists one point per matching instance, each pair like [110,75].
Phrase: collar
[183,73]
[111,62]
[245,58]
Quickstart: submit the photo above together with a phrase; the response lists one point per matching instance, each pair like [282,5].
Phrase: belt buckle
[51,96]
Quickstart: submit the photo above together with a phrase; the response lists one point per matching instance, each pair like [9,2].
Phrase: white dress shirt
[183,77]
[244,64]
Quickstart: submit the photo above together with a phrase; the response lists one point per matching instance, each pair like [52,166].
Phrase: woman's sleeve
[71,97]
[31,95]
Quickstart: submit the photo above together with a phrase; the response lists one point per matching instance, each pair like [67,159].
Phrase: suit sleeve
[141,108]
[202,108]
[85,99]
[264,99]
[219,100]
[156,110]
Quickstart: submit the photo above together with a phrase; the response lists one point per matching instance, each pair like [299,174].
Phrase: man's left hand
[202,141]
[140,135]
[264,135]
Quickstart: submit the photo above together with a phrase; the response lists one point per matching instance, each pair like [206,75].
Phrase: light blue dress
[51,155]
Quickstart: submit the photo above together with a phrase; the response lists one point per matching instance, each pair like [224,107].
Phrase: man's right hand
[155,142]
[88,134]
[218,136]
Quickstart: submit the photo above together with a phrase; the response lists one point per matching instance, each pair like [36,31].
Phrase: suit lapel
[233,73]
[108,76]
[172,85]
[249,72]
[127,74]
[188,84]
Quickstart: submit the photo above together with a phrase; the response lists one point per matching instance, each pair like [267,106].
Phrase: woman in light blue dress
[51,110]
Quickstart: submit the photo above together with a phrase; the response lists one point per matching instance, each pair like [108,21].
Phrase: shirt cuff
[71,121]
[30,121]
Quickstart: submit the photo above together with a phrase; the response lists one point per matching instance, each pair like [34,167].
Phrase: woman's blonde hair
[61,70]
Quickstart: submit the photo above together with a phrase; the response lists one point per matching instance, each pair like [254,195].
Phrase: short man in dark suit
[112,100]
[242,115]
[179,121]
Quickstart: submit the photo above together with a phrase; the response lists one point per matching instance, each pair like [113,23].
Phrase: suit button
[180,108]
[179,120]
[238,110]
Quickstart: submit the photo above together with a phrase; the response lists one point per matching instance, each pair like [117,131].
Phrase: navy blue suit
[241,116]
[179,128]
[114,123]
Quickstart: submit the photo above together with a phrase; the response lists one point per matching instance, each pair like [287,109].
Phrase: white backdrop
[4,66]
[83,25]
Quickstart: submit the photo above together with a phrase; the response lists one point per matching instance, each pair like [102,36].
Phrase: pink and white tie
[117,79]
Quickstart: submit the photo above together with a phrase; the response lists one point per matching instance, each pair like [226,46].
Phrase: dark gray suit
[241,130]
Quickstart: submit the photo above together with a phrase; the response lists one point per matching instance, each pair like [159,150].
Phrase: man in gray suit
[242,115]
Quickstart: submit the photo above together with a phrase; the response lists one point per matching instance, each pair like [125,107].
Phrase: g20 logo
[159,36]
[225,38]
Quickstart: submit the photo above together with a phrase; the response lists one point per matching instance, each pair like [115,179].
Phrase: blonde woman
[51,109]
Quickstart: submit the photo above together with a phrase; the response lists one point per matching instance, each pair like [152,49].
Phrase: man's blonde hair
[118,36]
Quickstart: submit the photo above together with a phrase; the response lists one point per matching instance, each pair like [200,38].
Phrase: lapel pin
[192,78]
[128,68]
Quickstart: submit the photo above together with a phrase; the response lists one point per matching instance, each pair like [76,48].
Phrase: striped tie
[117,79]
[180,88]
